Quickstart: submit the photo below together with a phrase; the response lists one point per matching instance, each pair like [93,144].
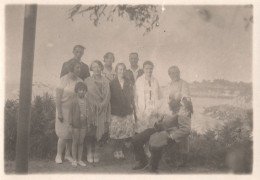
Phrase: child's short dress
[79,113]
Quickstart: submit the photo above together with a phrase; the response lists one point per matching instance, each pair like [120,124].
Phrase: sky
[205,42]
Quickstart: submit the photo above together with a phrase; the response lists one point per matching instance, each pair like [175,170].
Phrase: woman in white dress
[147,103]
[64,93]
[147,98]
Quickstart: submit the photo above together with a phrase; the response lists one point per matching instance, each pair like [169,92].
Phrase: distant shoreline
[214,97]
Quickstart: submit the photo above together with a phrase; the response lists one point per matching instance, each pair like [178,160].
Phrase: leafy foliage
[206,14]
[11,116]
[144,16]
[42,135]
[42,142]
[229,147]
[226,112]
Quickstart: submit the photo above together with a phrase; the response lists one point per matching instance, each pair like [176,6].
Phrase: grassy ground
[107,165]
[49,167]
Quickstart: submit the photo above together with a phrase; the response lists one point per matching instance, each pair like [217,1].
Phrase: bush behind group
[228,147]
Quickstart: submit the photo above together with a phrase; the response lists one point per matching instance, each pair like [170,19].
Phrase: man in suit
[78,52]
[134,72]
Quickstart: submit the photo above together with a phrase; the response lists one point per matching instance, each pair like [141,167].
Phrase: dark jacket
[130,76]
[84,71]
[121,99]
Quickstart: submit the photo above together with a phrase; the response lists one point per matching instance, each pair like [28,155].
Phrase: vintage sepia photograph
[128,89]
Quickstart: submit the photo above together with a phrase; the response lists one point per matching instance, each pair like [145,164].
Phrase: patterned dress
[122,127]
[122,119]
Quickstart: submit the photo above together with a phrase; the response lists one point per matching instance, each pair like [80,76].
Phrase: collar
[172,82]
[137,69]
[144,80]
[109,72]
[77,60]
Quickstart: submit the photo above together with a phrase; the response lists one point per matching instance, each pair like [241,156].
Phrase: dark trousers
[138,142]
[156,155]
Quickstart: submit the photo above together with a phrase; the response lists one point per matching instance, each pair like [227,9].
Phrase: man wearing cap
[134,72]
[78,52]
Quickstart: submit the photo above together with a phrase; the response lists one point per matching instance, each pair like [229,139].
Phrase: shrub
[229,147]
[11,116]
[42,134]
[226,112]
[42,137]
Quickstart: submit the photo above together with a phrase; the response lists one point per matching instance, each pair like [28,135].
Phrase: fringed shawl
[99,100]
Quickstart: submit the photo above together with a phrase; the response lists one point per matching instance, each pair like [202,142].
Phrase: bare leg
[75,141]
[116,143]
[89,153]
[82,134]
[120,147]
[120,144]
[96,152]
[90,145]
[68,148]
[60,147]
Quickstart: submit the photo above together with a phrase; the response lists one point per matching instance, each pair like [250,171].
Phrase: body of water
[201,122]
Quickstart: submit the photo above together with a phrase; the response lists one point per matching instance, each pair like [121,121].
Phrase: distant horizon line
[200,81]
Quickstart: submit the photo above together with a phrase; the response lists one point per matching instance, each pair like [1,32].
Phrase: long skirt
[122,127]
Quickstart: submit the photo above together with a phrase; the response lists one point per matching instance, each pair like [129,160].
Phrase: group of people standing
[124,104]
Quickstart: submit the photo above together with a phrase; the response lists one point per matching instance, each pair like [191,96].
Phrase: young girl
[79,116]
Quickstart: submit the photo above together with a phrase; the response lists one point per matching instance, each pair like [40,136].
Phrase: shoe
[81,163]
[74,163]
[147,151]
[151,169]
[116,154]
[121,155]
[96,158]
[127,145]
[139,165]
[58,160]
[90,158]
[68,158]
